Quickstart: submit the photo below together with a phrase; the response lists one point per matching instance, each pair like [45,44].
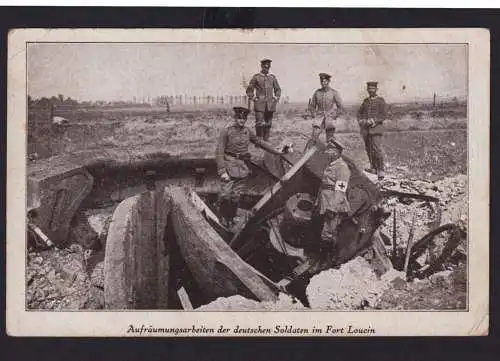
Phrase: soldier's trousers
[263,123]
[331,222]
[373,146]
[328,124]
[229,197]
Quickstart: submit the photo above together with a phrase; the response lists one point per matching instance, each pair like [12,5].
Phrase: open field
[76,114]
[425,147]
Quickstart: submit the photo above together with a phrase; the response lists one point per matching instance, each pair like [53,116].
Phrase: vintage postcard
[292,182]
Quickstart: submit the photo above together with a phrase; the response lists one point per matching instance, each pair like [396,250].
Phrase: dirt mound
[353,286]
[240,303]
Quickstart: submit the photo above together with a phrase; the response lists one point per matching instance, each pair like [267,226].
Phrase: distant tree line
[163,100]
[58,100]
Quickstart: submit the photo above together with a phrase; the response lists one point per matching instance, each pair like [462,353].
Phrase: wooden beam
[202,207]
[217,269]
[296,167]
[184,298]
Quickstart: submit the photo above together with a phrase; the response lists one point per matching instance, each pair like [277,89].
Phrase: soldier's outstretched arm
[263,144]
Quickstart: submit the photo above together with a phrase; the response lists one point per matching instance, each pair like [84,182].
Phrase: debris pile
[444,290]
[97,276]
[56,279]
[238,303]
[452,207]
[353,286]
[97,287]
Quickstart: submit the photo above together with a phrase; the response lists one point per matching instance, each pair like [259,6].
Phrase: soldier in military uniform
[231,157]
[265,92]
[371,116]
[325,107]
[332,202]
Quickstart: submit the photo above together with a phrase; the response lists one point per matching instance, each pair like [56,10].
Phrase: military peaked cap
[265,61]
[372,83]
[324,76]
[241,112]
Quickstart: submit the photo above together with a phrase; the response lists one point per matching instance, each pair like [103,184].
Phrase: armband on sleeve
[341,186]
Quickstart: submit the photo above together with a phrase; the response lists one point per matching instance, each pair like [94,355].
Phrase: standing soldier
[327,105]
[231,156]
[265,92]
[371,116]
[332,201]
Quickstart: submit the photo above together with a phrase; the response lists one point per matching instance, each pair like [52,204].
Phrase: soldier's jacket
[326,104]
[332,195]
[265,86]
[236,140]
[376,109]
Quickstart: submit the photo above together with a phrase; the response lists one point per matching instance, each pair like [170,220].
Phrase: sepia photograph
[247,176]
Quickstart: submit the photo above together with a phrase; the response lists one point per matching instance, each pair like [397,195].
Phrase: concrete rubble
[238,303]
[353,286]
[452,195]
[56,279]
[445,290]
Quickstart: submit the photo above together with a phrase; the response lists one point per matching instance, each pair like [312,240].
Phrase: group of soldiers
[325,106]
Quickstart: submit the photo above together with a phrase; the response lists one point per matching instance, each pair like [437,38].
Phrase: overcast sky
[122,71]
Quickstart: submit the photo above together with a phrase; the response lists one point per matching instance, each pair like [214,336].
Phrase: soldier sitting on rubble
[231,156]
[332,202]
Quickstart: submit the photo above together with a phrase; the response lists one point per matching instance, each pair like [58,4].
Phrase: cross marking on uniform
[340,186]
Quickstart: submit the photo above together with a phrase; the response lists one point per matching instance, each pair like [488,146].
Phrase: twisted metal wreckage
[166,248]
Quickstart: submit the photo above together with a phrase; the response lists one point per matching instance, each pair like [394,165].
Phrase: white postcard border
[106,323]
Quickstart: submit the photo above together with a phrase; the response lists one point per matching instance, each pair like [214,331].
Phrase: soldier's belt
[330,187]
[339,185]
[242,156]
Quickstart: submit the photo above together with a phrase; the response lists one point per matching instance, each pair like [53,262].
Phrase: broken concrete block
[54,195]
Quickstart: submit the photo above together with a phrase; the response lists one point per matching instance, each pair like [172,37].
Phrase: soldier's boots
[259,131]
[330,254]
[266,132]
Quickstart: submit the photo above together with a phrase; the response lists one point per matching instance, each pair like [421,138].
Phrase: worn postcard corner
[291,182]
